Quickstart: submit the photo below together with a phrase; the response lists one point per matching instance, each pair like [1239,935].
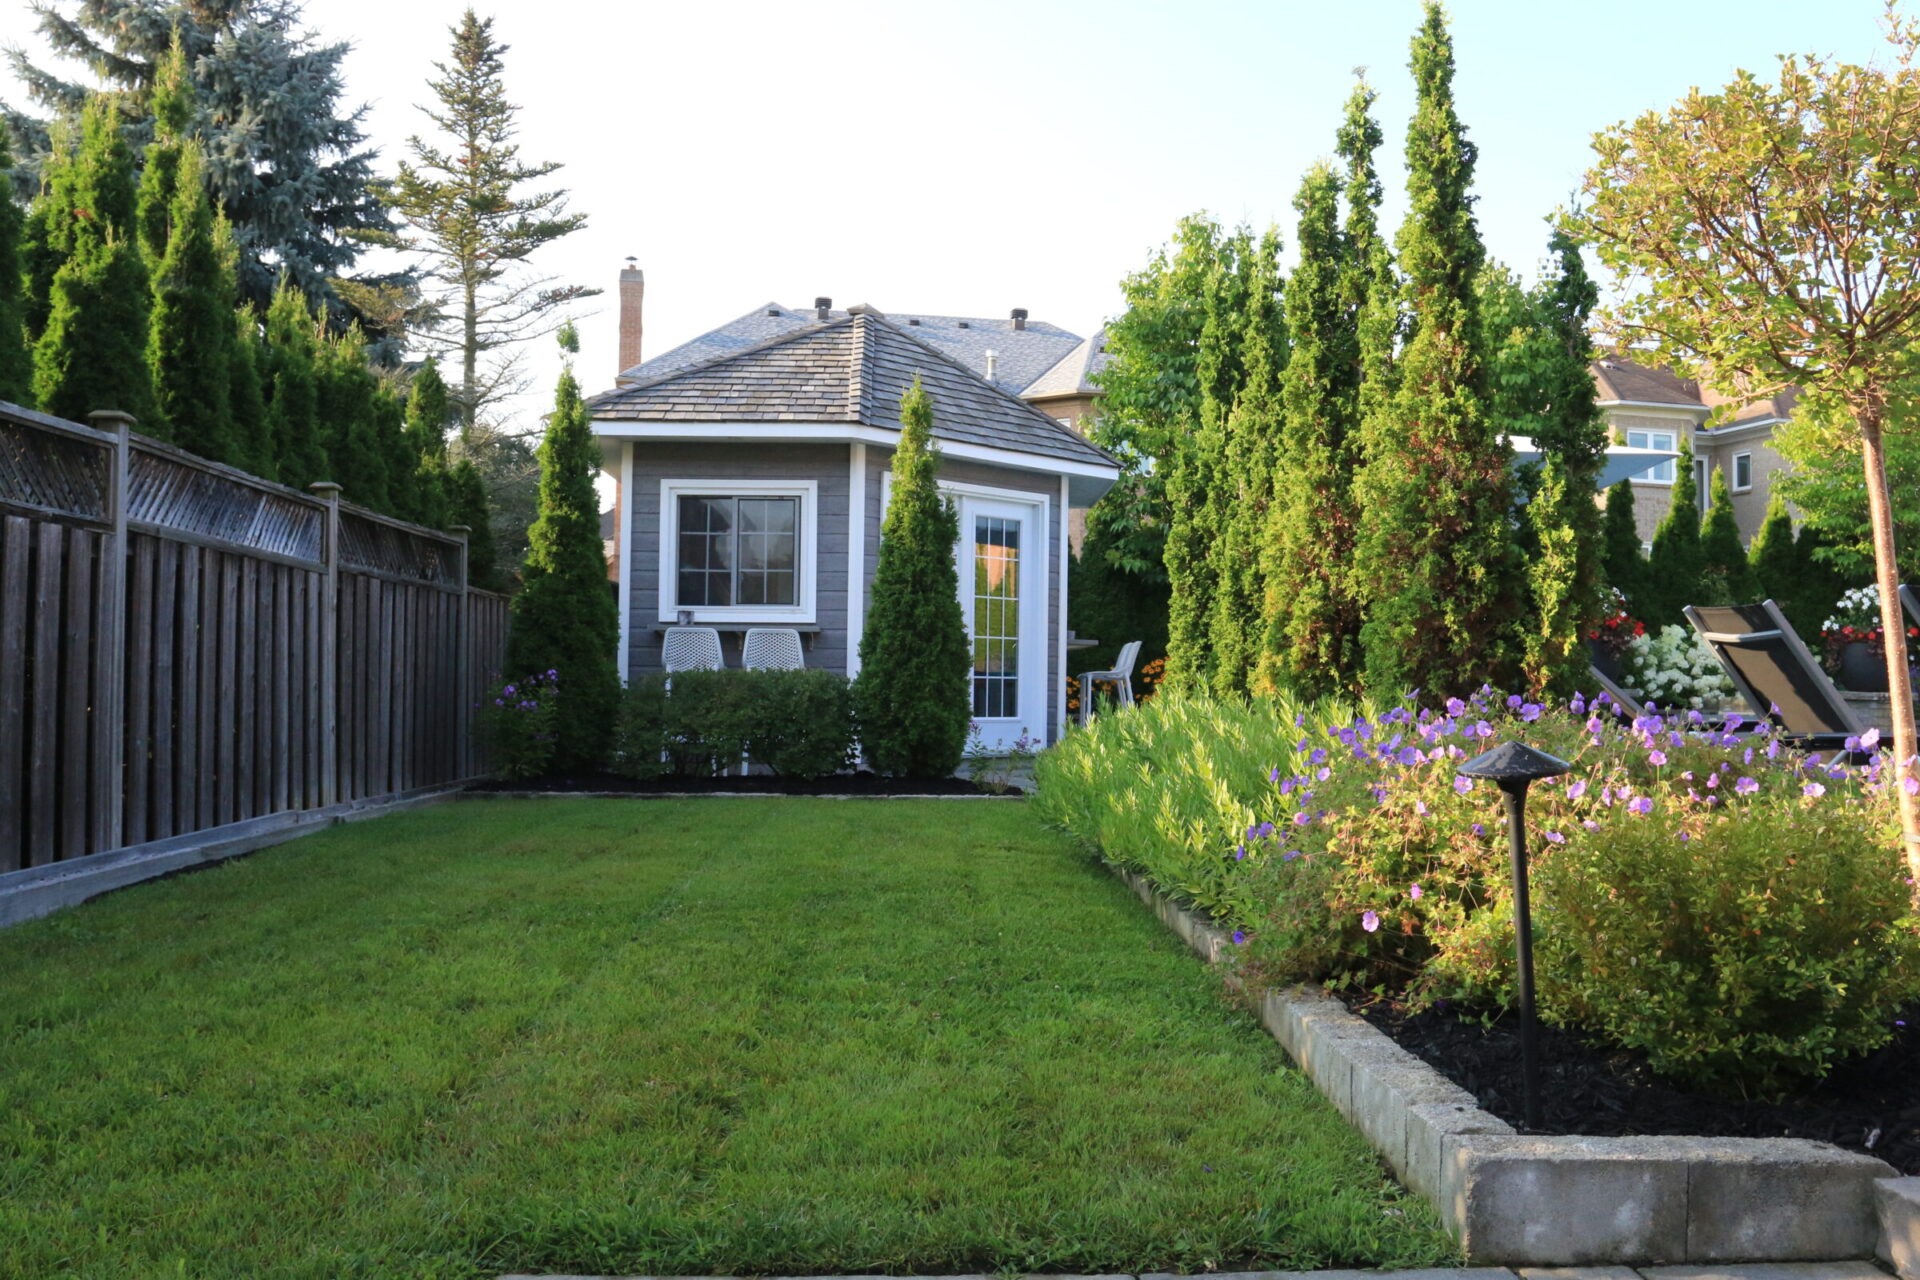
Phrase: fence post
[110,699]
[462,659]
[329,493]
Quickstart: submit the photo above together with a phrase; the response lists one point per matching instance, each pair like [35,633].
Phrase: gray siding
[826,464]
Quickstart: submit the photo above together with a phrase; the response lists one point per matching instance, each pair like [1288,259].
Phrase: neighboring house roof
[1775,408]
[608,527]
[1020,355]
[1073,376]
[1619,380]
[854,370]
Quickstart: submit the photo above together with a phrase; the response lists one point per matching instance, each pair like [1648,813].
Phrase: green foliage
[467,504]
[1312,621]
[427,419]
[290,381]
[478,228]
[1554,656]
[565,618]
[1824,482]
[1236,633]
[190,339]
[289,165]
[1676,569]
[171,102]
[1726,575]
[1787,571]
[16,356]
[1764,949]
[518,725]
[1338,841]
[1622,563]
[1151,392]
[1435,558]
[798,723]
[247,400]
[92,352]
[1113,606]
[347,419]
[1199,488]
[914,693]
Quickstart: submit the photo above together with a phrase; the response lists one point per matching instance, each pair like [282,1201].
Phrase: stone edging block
[1519,1200]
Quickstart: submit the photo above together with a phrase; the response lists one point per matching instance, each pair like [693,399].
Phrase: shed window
[1742,472]
[738,550]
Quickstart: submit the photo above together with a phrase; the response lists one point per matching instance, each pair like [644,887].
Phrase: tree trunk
[469,365]
[1894,624]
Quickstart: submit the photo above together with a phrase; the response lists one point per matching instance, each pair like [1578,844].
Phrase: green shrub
[1341,846]
[798,723]
[1762,948]
[516,725]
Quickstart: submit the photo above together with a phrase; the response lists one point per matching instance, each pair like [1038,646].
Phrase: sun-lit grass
[664,1037]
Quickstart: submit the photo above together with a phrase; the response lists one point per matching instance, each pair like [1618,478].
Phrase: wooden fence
[184,646]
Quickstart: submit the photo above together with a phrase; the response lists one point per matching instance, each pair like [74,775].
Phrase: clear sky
[967,158]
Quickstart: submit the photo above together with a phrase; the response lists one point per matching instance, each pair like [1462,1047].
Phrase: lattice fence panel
[172,494]
[54,471]
[375,546]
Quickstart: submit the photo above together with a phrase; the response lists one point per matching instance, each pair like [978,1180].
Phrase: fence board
[246,725]
[16,534]
[187,669]
[166,691]
[77,714]
[139,679]
[227,727]
[43,765]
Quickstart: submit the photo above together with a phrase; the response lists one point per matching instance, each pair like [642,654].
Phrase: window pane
[780,587]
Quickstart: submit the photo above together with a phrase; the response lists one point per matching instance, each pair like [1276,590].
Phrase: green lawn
[700,1037]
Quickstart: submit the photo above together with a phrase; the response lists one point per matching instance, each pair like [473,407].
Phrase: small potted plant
[1607,639]
[1856,645]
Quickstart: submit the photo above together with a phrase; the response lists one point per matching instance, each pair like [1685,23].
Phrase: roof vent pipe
[993,365]
[823,307]
[1019,317]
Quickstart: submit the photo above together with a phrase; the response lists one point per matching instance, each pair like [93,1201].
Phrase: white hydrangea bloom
[1675,668]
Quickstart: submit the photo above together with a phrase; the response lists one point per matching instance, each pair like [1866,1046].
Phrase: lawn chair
[1770,666]
[1621,698]
[691,649]
[772,649]
[1121,678]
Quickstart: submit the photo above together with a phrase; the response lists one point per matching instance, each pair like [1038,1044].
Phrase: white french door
[1002,556]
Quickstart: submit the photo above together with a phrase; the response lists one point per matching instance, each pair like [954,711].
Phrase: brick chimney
[1019,317]
[633,292]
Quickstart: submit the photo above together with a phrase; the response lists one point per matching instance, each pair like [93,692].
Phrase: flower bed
[1735,911]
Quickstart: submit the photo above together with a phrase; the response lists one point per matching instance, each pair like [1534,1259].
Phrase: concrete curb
[37,891]
[1571,1201]
[1751,1271]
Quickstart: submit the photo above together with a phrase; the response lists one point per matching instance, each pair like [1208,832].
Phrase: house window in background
[1663,473]
[1742,472]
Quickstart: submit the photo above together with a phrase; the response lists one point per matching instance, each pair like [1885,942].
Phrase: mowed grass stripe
[700,1037]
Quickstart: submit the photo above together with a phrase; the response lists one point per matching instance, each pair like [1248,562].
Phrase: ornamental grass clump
[1757,888]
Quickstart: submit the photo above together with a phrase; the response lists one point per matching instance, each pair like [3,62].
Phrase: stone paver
[1769,1271]
[1578,1273]
[1741,1271]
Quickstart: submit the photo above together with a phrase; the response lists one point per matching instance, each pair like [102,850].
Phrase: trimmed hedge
[695,723]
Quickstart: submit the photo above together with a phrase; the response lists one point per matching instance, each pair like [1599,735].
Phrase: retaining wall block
[1569,1201]
[1896,1203]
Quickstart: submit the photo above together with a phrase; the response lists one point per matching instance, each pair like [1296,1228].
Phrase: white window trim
[1733,473]
[802,610]
[1672,446]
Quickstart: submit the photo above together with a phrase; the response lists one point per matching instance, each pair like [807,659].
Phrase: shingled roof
[1073,376]
[1624,381]
[850,370]
[1020,355]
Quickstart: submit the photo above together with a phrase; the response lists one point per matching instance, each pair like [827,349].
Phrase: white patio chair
[1121,678]
[691,649]
[772,649]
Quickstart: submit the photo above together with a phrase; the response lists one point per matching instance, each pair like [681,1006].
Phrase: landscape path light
[1513,767]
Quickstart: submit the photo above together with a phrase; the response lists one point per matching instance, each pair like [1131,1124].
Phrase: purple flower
[1324,774]
[1578,705]
[1594,724]
[1302,818]
[1420,807]
[1407,758]
[1273,775]
[1480,729]
[1576,789]
[1870,739]
[1239,937]
[1479,829]
[1554,837]
[1640,806]
[1590,824]
[1319,756]
[1369,920]
[1530,712]
[1911,785]
[1455,707]
[1813,791]
[1463,785]
[1733,721]
[1656,758]
[1513,701]
[1240,854]
[1415,893]
[1289,855]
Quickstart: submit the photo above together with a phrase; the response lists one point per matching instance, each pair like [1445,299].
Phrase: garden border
[704,795]
[1517,1200]
[33,892]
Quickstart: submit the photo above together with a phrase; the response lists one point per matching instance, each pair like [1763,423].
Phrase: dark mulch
[1871,1104]
[841,784]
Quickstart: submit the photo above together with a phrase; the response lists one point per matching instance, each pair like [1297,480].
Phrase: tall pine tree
[349,419]
[171,103]
[92,353]
[1312,625]
[16,358]
[1236,634]
[1726,575]
[914,692]
[1676,566]
[1435,559]
[478,226]
[468,504]
[427,439]
[290,377]
[564,620]
[1623,565]
[190,338]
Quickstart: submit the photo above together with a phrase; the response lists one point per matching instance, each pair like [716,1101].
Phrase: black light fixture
[1513,767]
